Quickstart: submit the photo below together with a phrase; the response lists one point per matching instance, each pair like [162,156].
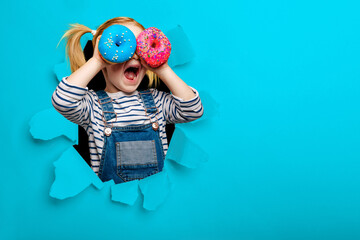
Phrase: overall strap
[147,98]
[106,104]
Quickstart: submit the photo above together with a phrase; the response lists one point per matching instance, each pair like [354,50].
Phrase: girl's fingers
[96,53]
[97,40]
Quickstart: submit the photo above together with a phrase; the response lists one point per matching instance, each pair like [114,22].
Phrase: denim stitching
[128,178]
[118,163]
[162,152]
[102,159]
[132,127]
[117,154]
[155,155]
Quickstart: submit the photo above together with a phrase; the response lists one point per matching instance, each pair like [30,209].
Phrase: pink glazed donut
[153,47]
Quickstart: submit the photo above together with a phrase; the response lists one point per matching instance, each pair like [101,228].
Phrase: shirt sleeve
[73,102]
[177,110]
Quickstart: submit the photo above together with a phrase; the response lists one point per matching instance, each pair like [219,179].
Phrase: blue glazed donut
[117,44]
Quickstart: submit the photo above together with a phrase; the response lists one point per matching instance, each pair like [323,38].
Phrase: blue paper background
[284,149]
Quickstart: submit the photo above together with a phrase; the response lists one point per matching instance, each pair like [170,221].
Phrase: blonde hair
[74,50]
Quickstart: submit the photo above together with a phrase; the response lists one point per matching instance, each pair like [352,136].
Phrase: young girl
[126,127]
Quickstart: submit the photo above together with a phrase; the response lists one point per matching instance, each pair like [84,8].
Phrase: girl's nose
[135,56]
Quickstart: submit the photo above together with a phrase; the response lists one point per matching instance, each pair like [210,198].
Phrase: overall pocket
[136,159]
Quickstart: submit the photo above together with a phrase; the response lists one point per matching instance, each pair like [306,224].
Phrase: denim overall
[130,152]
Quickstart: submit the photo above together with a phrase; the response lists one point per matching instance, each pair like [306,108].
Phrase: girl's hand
[97,55]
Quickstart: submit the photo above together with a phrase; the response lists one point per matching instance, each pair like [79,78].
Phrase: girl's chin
[128,89]
[129,86]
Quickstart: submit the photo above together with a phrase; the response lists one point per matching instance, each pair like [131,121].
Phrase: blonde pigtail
[73,46]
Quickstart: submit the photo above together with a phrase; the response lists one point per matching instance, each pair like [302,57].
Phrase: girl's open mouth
[132,72]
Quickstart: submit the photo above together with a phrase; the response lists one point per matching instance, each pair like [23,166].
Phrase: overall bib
[130,152]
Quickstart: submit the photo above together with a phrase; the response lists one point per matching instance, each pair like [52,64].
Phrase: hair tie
[93,32]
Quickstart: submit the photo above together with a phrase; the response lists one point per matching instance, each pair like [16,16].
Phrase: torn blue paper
[49,124]
[62,70]
[181,50]
[185,152]
[155,188]
[72,175]
[211,107]
[126,192]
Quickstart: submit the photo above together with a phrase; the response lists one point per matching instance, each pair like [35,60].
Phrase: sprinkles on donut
[117,44]
[153,47]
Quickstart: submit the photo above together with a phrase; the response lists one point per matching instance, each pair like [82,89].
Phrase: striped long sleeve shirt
[80,106]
